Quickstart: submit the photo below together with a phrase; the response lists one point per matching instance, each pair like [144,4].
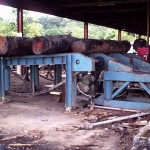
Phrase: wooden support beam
[20,19]
[86,30]
[119,35]
[106,3]
[148,22]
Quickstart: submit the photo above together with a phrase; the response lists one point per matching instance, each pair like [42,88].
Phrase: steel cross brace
[126,77]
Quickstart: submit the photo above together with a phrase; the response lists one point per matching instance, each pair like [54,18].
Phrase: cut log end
[3,45]
[39,45]
[78,47]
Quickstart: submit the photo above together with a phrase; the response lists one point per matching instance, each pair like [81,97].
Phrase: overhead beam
[111,11]
[148,21]
[101,3]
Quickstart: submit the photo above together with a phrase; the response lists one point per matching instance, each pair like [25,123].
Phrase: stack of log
[20,46]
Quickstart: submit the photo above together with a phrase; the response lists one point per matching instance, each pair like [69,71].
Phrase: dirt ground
[39,123]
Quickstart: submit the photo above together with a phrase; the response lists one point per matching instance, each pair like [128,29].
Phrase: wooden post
[86,30]
[20,69]
[148,25]
[119,35]
[20,21]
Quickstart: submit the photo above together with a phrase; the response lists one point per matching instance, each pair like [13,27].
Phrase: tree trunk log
[52,44]
[100,46]
[15,46]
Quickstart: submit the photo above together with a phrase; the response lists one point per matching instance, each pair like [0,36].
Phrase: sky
[5,12]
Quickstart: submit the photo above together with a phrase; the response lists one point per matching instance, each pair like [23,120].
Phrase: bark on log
[125,46]
[52,44]
[15,46]
[66,43]
[100,46]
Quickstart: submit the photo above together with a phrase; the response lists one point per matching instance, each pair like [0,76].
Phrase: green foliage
[75,28]
[7,28]
[53,31]
[97,32]
[33,29]
[52,22]
[48,25]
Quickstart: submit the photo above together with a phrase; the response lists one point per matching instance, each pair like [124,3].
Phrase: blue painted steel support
[68,83]
[32,78]
[108,86]
[57,73]
[120,89]
[124,68]
[126,76]
[2,79]
[145,87]
[131,55]
[122,104]
[74,63]
[36,78]
[74,91]
[7,78]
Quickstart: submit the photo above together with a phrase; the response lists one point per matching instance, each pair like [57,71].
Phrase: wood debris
[88,125]
[142,138]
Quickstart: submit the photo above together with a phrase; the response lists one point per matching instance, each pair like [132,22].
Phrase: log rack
[74,63]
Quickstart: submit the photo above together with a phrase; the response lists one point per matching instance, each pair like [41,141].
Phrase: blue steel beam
[120,89]
[126,76]
[36,69]
[117,66]
[122,58]
[68,91]
[122,104]
[74,62]
[7,78]
[32,68]
[57,73]
[108,89]
[81,62]
[141,65]
[2,79]
[145,87]
[132,55]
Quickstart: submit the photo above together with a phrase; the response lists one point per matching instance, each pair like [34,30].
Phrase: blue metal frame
[127,103]
[124,69]
[74,62]
[57,73]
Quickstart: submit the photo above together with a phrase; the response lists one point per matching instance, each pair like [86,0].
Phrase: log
[15,46]
[88,46]
[91,125]
[52,44]
[125,46]
[114,108]
[142,138]
[67,43]
[20,145]
[138,43]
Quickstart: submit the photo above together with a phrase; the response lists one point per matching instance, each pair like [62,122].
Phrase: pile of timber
[20,46]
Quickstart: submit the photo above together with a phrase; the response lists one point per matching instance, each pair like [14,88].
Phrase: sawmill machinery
[122,80]
[108,74]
